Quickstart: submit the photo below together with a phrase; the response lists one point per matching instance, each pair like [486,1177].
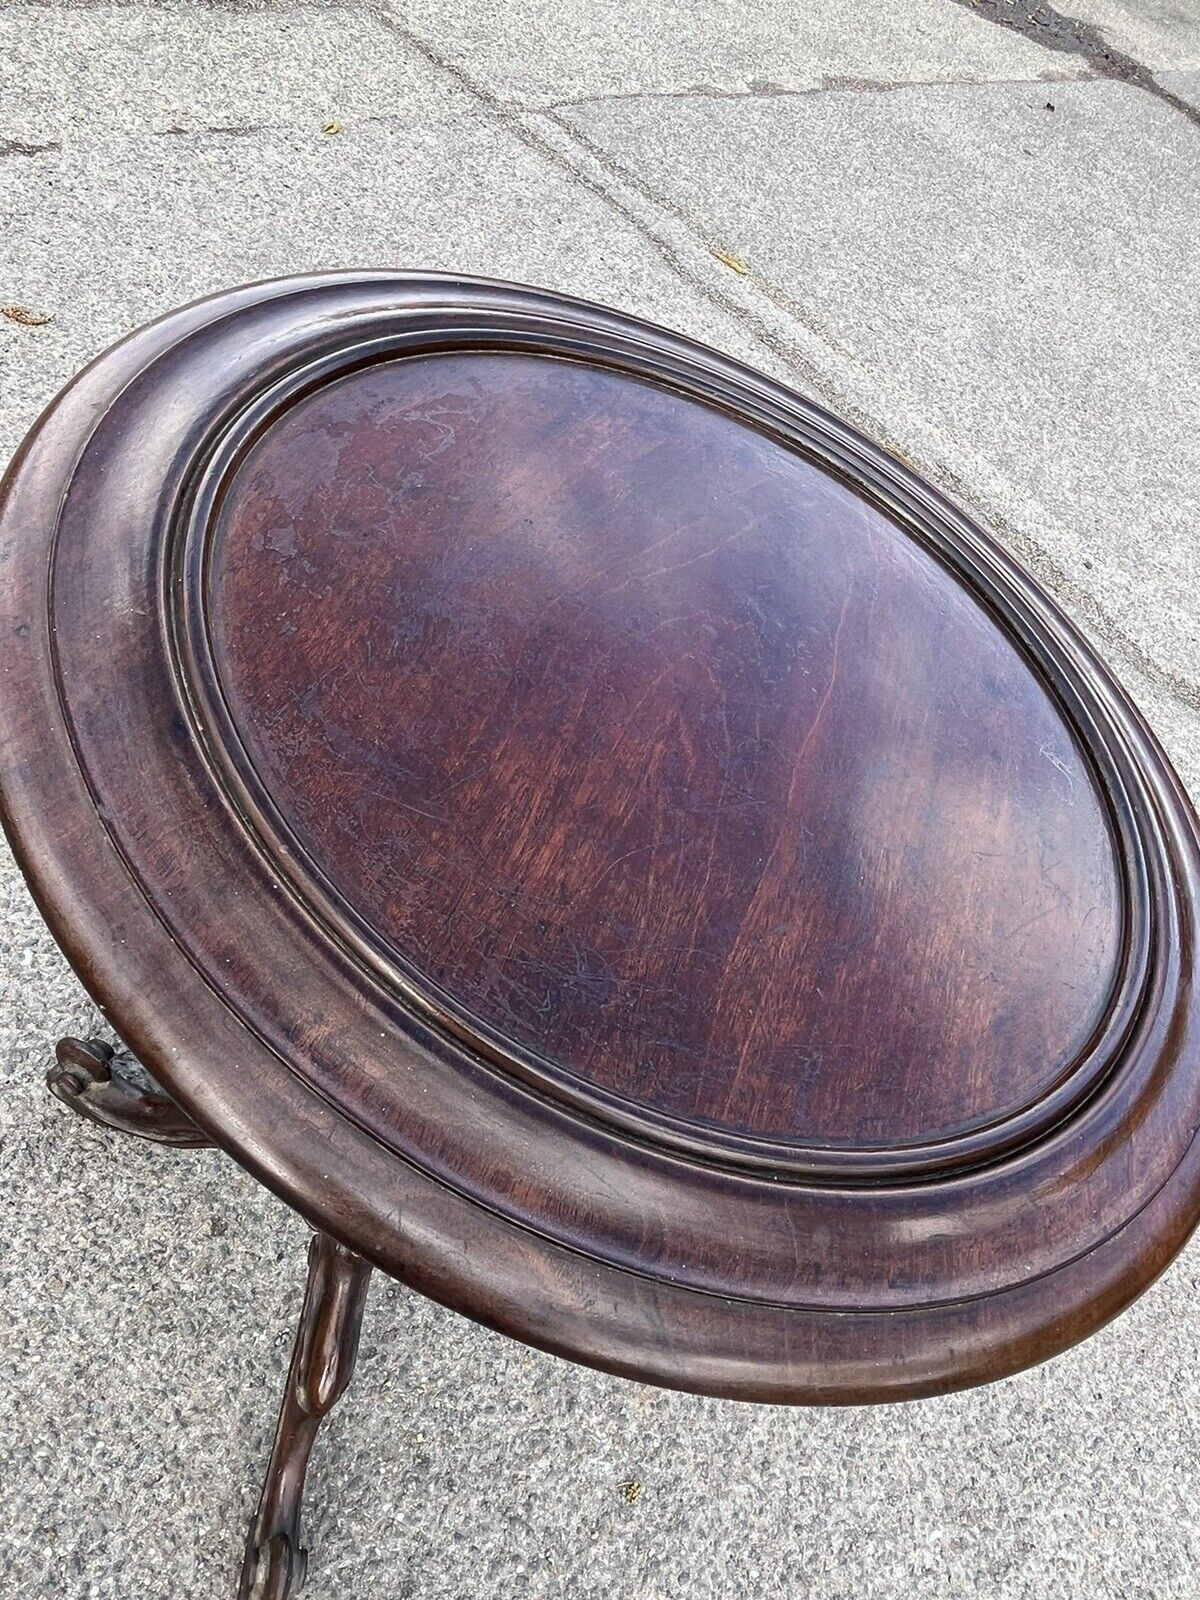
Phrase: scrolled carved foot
[274,1570]
[93,1079]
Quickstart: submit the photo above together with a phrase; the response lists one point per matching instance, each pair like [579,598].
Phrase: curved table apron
[601,839]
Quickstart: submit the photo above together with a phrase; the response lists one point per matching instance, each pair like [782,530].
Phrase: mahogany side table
[602,840]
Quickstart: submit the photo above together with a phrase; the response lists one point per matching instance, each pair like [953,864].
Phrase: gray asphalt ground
[979,243]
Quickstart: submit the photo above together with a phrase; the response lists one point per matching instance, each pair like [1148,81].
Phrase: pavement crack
[695,226]
[1058,31]
[241,130]
[21,147]
[762,90]
[514,119]
[236,130]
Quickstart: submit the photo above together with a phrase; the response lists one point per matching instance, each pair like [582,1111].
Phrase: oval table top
[601,838]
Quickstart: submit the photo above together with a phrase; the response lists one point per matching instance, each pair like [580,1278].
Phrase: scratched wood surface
[661,753]
[601,838]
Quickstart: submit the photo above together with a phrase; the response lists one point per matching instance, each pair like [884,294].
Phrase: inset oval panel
[659,758]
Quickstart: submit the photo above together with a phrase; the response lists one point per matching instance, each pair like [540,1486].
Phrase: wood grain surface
[661,754]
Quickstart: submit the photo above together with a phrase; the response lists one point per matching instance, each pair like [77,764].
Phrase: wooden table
[601,839]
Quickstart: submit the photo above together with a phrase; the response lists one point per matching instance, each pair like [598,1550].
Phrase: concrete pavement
[977,241]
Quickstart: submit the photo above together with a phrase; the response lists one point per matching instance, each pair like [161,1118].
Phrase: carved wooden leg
[322,1364]
[94,1080]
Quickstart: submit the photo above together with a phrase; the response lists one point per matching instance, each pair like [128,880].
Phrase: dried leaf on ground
[26,317]
[731,261]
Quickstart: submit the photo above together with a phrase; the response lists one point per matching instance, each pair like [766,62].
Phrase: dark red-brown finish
[322,1364]
[650,746]
[97,1081]
[602,839]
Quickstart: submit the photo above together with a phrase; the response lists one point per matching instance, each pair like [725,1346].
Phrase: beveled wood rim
[1114,1190]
